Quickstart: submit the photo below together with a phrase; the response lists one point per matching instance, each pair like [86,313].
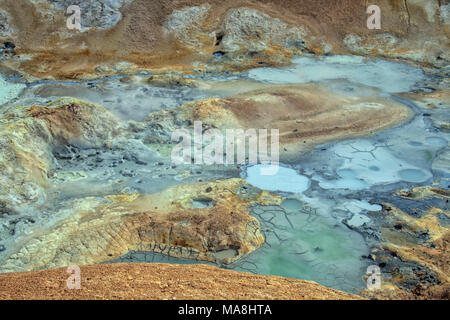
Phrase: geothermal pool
[331,187]
[328,190]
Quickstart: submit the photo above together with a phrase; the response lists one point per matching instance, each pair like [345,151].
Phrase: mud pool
[328,190]
[387,76]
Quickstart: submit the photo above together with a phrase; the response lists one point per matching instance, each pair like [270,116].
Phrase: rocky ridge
[213,36]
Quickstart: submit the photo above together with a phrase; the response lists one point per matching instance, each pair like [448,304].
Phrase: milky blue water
[385,75]
[285,179]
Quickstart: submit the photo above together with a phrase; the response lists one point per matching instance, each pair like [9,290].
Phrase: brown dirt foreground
[160,282]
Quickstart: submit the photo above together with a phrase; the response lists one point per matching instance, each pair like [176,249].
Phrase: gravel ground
[160,281]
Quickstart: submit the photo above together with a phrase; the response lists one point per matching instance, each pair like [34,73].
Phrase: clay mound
[310,113]
[306,115]
[29,134]
[104,229]
[161,281]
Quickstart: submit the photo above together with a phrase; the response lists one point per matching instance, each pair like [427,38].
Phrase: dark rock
[398,226]
[9,45]
[140,162]
[219,54]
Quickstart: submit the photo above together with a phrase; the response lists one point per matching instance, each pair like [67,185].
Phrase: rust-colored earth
[138,38]
[161,281]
